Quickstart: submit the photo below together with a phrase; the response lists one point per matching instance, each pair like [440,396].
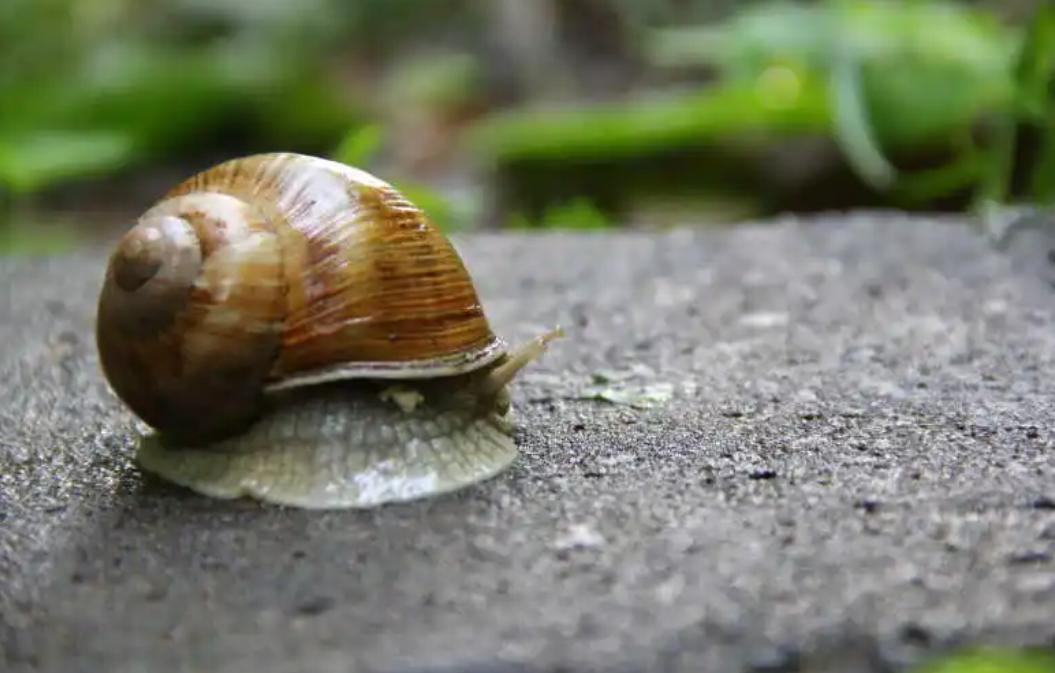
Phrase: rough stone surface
[856,470]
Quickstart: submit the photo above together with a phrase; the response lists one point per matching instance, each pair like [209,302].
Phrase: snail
[295,330]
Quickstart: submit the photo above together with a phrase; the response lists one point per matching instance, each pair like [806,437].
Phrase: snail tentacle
[502,375]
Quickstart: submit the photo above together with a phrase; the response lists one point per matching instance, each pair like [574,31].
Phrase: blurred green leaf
[117,94]
[878,77]
[993,661]
[579,214]
[360,146]
[814,35]
[671,121]
[30,162]
[1036,81]
[852,125]
[944,64]
[922,186]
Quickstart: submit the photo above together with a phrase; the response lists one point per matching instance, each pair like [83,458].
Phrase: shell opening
[441,367]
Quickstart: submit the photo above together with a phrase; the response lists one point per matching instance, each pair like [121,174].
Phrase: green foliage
[993,661]
[639,126]
[578,214]
[360,146]
[815,35]
[876,76]
[943,62]
[1036,87]
[92,88]
[86,94]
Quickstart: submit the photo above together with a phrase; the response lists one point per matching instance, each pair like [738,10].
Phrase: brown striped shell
[278,270]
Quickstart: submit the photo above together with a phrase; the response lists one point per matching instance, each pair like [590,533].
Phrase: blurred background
[502,114]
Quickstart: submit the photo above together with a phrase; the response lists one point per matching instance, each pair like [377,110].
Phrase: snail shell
[289,325]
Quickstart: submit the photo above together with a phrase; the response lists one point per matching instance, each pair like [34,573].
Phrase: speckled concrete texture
[855,470]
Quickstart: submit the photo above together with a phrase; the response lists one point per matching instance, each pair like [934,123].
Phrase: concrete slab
[856,469]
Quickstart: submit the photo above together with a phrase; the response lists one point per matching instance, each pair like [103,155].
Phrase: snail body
[294,329]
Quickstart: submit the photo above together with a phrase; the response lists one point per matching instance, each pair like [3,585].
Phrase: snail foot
[341,447]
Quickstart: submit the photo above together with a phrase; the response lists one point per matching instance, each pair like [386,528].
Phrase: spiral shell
[276,271]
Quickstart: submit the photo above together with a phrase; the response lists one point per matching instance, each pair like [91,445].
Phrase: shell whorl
[278,270]
[190,315]
[373,288]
